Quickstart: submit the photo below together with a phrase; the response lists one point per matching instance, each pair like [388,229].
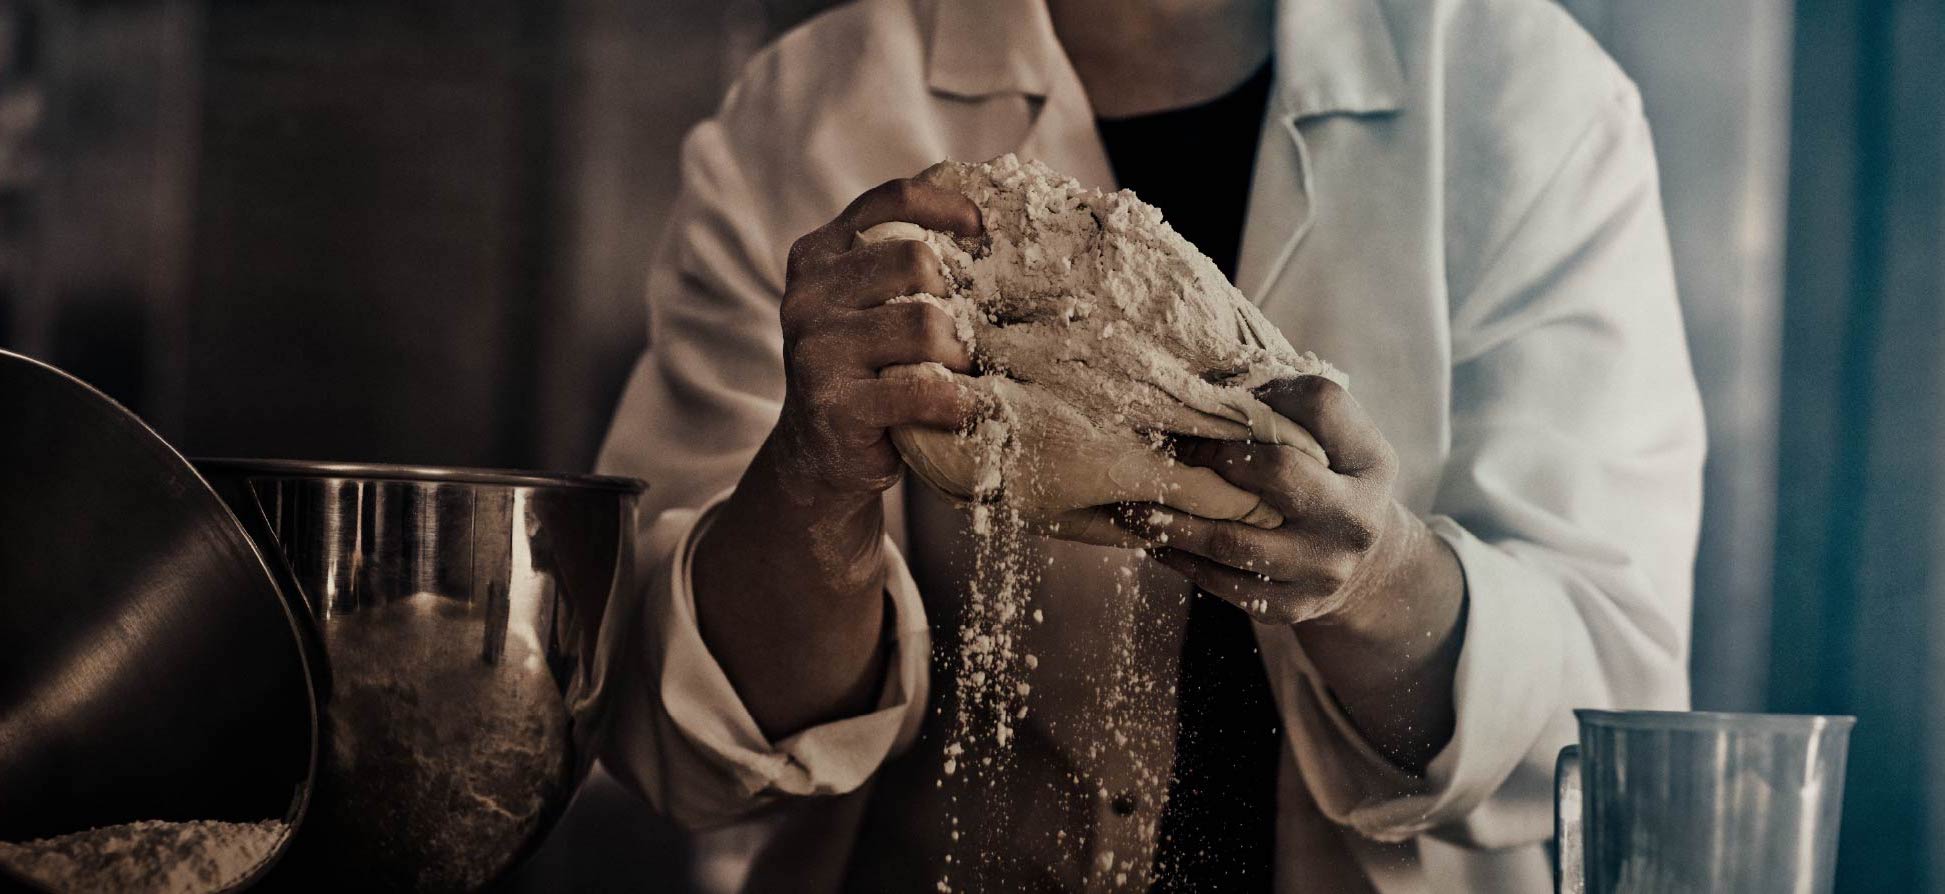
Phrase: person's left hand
[1343,536]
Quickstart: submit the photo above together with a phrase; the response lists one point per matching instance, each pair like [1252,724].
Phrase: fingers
[1094,525]
[838,318]
[913,201]
[911,332]
[859,344]
[1213,578]
[1290,434]
[1203,492]
[1348,435]
[1289,480]
[934,401]
[1143,474]
[1266,602]
[872,274]
[1275,555]
[907,200]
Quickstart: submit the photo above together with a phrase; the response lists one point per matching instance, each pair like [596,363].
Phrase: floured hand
[1343,537]
[1063,471]
[1098,333]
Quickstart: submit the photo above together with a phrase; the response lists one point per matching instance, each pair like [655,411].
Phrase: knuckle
[1279,464]
[931,326]
[809,348]
[799,255]
[846,416]
[914,257]
[1282,567]
[1310,396]
[1325,584]
[886,191]
[794,313]
[1360,536]
[903,192]
[822,413]
[1224,543]
[1334,574]
[1319,388]
[824,357]
[1387,457]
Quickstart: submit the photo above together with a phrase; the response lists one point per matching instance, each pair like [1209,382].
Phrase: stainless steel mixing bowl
[459,611]
[150,669]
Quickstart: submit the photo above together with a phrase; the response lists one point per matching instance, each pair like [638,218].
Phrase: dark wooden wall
[20,114]
[371,230]
[397,231]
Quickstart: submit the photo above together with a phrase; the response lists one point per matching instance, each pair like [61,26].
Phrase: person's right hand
[789,579]
[838,332]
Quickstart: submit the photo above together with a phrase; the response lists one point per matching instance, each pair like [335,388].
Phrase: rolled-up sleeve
[1571,497]
[682,735]
[695,410]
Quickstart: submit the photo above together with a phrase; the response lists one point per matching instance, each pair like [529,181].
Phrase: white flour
[148,857]
[1097,332]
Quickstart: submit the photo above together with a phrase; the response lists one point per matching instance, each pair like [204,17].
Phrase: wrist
[840,532]
[790,599]
[781,484]
[790,473]
[1387,584]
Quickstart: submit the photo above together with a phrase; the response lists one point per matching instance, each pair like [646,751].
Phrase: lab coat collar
[1336,56]
[1333,56]
[978,49]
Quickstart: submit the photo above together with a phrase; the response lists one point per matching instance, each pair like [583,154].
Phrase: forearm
[1390,656]
[789,583]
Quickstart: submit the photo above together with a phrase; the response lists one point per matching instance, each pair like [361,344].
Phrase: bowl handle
[1570,869]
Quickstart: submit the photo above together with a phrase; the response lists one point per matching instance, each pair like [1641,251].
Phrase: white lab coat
[1454,201]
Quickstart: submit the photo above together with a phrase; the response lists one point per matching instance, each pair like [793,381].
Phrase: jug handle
[1570,870]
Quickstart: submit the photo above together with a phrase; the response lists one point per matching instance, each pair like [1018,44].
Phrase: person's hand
[1343,535]
[789,578]
[838,332]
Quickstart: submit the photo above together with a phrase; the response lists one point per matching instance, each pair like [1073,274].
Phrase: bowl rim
[302,468]
[305,637]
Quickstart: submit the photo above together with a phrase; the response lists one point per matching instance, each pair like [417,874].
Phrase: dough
[1097,332]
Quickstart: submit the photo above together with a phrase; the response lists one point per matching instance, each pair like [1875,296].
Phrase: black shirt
[1195,164]
[1218,828]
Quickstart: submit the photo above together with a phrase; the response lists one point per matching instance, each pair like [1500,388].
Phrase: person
[1453,201]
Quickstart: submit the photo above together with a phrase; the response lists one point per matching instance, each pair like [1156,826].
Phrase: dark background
[417,231]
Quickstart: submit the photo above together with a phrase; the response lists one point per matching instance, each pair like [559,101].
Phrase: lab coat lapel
[1333,57]
[1063,134]
[1279,205]
[983,50]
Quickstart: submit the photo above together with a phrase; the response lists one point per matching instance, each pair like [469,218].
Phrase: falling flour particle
[1098,333]
[148,857]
